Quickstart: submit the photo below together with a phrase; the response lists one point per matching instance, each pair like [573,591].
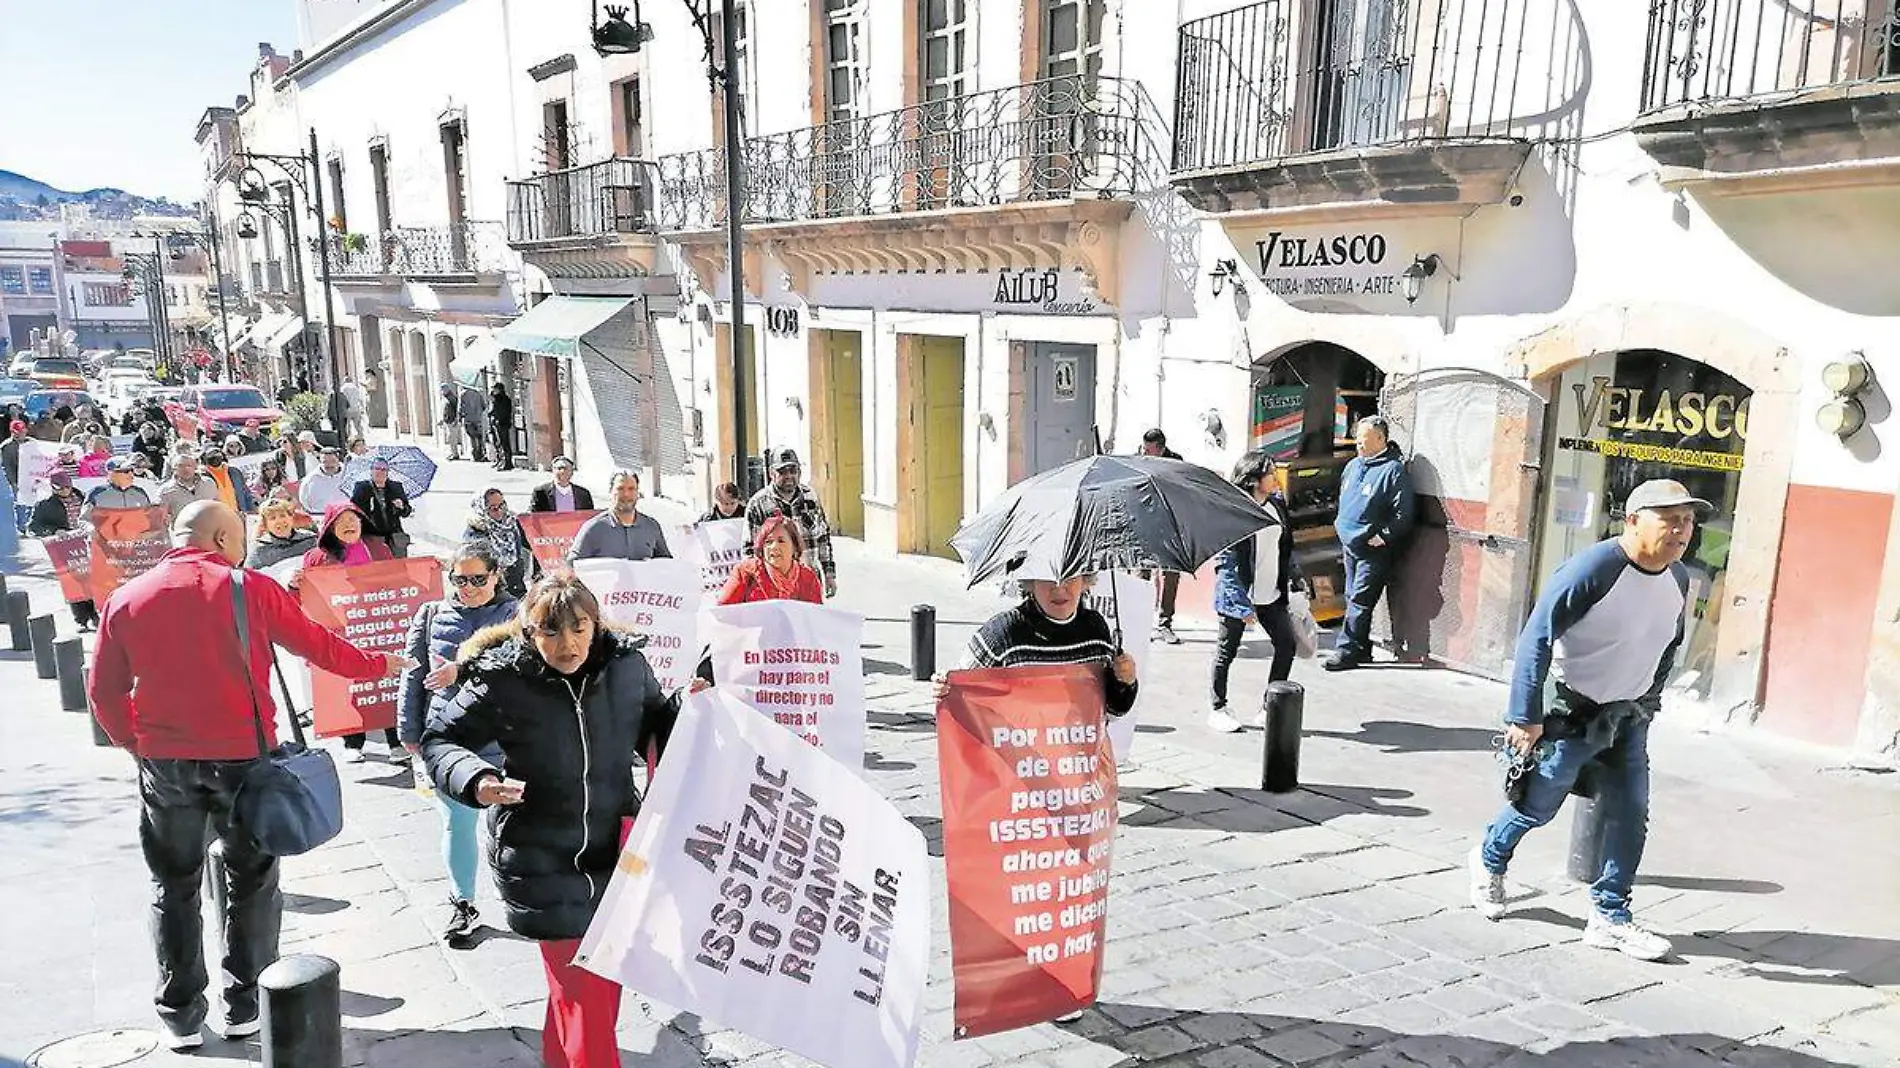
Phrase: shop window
[12,281]
[40,280]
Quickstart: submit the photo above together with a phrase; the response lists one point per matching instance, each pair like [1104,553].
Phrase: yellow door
[843,492]
[941,442]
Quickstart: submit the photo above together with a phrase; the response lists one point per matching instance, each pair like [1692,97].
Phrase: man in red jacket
[171,684]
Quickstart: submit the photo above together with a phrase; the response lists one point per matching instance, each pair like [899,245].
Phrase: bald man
[172,684]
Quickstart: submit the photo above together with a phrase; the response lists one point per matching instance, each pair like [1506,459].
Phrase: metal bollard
[302,1001]
[19,606]
[42,632]
[1280,762]
[1586,841]
[69,663]
[3,588]
[923,641]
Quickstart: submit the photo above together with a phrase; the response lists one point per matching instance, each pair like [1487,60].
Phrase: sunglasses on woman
[471,580]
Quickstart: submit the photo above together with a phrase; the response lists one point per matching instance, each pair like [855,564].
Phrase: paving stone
[1135,1015]
[1221,1028]
[1236,1057]
[1299,1048]
[1405,1014]
[1467,999]
[1664,1009]
[1578,973]
[1162,1040]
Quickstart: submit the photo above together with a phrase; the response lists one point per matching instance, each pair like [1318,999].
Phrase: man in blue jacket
[1375,517]
[1607,625]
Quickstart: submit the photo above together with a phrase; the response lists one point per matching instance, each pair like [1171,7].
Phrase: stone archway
[1762,363]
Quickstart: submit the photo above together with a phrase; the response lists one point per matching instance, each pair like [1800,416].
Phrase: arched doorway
[421,396]
[1306,401]
[1623,418]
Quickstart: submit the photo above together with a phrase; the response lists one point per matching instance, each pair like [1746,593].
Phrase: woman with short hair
[279,538]
[1251,579]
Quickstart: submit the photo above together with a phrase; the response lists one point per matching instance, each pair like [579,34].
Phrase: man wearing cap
[561,495]
[120,490]
[621,532]
[1609,623]
[323,487]
[384,504]
[787,497]
[10,460]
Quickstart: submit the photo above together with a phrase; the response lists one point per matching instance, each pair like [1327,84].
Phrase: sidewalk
[1322,927]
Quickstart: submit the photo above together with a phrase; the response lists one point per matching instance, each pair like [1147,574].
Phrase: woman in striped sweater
[1051,625]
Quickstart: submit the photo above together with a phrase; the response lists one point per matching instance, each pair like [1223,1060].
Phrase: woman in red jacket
[776,570]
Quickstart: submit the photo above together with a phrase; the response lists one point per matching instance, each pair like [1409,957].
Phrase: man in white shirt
[325,485]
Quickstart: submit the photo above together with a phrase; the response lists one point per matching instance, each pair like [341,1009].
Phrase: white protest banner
[1131,598]
[763,890]
[800,664]
[38,460]
[676,522]
[658,599]
[721,545]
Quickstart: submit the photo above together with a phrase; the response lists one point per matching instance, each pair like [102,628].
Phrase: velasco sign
[1688,415]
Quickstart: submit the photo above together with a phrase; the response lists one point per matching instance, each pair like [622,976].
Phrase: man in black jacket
[562,494]
[501,427]
[384,504]
[1155,443]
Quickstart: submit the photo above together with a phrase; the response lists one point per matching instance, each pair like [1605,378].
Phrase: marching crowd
[514,688]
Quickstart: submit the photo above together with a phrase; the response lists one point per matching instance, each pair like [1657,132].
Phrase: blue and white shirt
[1608,627]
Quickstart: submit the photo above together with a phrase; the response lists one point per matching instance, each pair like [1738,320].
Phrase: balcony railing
[1285,78]
[1061,138]
[1701,50]
[466,248]
[613,196]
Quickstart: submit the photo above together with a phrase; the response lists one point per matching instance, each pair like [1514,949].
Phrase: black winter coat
[553,853]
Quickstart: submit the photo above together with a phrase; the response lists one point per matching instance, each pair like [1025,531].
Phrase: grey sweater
[604,536]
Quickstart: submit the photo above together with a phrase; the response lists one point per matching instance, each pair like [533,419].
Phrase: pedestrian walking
[196,733]
[562,493]
[450,420]
[726,504]
[343,541]
[227,483]
[1375,517]
[776,570]
[279,538]
[1154,442]
[355,410]
[325,486]
[501,426]
[565,698]
[298,456]
[186,485]
[149,442]
[1608,624]
[57,513]
[475,422]
[10,460]
[786,496]
[497,531]
[474,602]
[1251,580]
[621,532]
[120,491]
[384,504]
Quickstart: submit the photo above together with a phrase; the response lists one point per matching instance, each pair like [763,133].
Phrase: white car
[122,385]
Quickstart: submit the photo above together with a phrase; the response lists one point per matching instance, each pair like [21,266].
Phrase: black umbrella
[1107,513]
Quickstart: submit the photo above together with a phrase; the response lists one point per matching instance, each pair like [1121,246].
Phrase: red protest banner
[370,606]
[126,542]
[551,534]
[71,554]
[1029,824]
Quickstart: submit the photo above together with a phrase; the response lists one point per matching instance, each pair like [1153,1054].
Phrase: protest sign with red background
[370,606]
[551,534]
[126,542]
[1029,824]
[71,555]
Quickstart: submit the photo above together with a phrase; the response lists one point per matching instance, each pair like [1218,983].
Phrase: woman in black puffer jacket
[569,703]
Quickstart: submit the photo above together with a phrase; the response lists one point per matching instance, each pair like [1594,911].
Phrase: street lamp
[617,36]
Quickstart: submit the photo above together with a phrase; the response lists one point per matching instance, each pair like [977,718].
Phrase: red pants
[583,1010]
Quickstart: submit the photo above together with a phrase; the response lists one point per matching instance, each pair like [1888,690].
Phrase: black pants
[1278,623]
[1366,576]
[355,741]
[85,613]
[504,447]
[183,804]
[477,443]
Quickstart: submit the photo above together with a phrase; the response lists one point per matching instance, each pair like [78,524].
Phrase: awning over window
[285,334]
[555,326]
[265,328]
[479,353]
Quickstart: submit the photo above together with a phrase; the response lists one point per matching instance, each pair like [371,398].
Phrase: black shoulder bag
[291,800]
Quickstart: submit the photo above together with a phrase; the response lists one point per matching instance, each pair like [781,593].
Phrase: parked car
[56,372]
[122,385]
[41,401]
[15,390]
[21,363]
[220,410]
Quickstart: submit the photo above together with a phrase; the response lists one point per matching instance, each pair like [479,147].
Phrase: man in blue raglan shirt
[1609,623]
[1375,517]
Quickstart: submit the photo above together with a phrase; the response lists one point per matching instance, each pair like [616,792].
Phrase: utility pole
[735,244]
[217,281]
[329,305]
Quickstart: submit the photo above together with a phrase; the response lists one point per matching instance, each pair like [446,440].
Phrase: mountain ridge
[21,195]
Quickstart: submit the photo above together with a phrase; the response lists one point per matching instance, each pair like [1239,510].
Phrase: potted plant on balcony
[356,242]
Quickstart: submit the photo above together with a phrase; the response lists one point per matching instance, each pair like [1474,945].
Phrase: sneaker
[177,1042]
[399,755]
[1341,662]
[1219,720]
[357,756]
[236,1029]
[459,932]
[1070,1017]
[1625,937]
[1258,721]
[1487,887]
[1165,632]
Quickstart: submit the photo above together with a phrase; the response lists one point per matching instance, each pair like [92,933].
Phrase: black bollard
[42,632]
[302,999]
[19,606]
[923,641]
[1586,841]
[69,662]
[1280,763]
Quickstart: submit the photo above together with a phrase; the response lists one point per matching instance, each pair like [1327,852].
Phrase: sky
[108,92]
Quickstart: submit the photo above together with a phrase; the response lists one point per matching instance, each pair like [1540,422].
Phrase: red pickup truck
[217,411]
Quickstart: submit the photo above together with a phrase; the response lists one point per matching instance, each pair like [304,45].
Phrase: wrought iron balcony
[458,250]
[1061,138]
[1281,79]
[613,196]
[1710,50]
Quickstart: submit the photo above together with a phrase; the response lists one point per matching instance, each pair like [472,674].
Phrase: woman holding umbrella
[1051,625]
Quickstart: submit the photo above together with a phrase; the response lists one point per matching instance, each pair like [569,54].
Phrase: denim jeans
[1277,622]
[21,514]
[1367,573]
[1622,794]
[183,804]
